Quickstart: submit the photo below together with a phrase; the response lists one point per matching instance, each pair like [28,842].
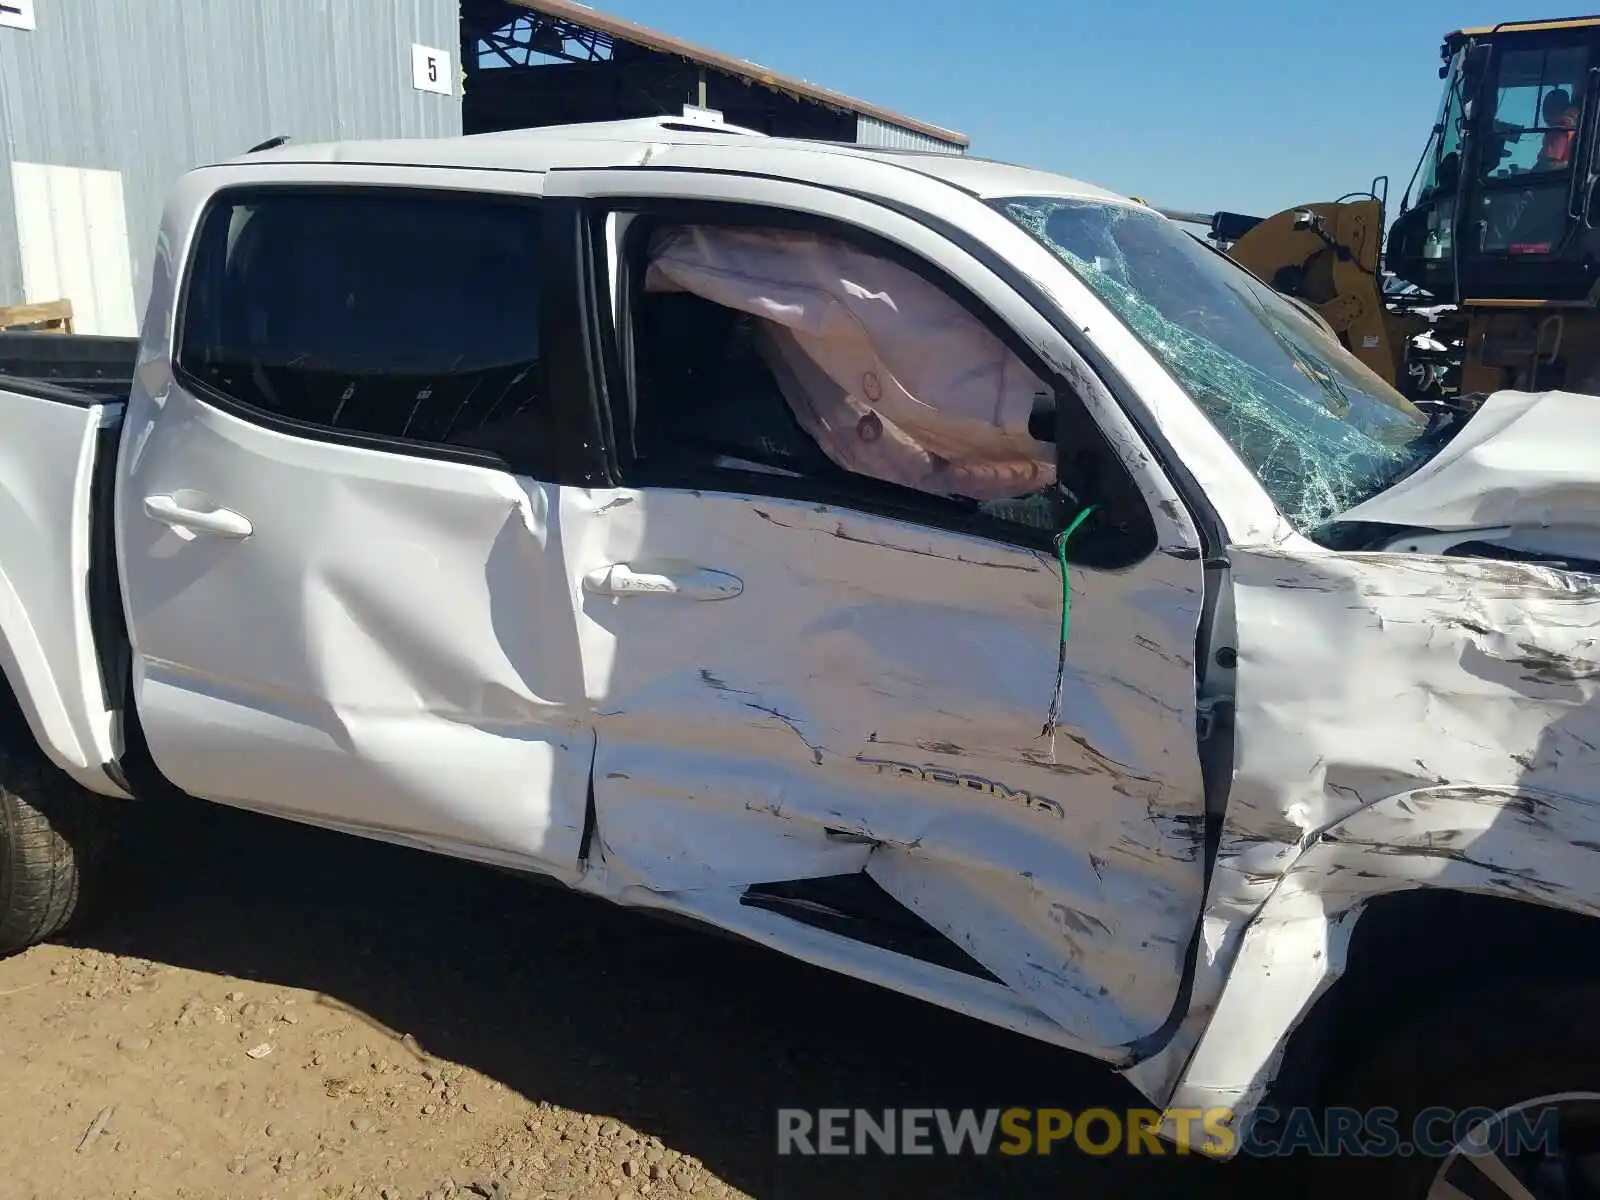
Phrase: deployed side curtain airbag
[892,377]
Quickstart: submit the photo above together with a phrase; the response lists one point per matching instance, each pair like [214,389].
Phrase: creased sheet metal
[1403,722]
[872,701]
[1525,459]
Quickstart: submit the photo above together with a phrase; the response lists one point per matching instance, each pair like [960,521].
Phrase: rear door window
[404,315]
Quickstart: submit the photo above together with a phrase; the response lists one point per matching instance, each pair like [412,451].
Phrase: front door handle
[221,521]
[692,583]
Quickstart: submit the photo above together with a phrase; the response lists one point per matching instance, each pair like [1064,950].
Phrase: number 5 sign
[18,14]
[430,70]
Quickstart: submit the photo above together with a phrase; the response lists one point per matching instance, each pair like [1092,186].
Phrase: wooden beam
[53,316]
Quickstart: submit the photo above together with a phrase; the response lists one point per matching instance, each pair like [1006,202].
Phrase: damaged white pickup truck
[939,571]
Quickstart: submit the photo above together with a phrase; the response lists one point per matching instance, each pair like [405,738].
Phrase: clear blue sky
[1249,105]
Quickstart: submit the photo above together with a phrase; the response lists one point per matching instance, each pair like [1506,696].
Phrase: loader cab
[1506,205]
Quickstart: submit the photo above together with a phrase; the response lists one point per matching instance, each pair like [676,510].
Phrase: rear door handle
[694,583]
[223,522]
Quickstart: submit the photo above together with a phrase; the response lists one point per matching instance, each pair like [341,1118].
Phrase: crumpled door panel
[871,700]
[1364,676]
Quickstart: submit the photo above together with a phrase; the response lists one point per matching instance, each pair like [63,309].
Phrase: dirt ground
[273,1011]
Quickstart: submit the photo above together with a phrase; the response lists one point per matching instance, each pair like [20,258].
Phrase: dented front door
[821,727]
[865,696]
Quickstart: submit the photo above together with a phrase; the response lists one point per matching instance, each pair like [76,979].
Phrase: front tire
[1529,1055]
[52,847]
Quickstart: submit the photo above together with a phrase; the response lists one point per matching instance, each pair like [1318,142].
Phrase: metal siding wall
[872,132]
[152,88]
[72,228]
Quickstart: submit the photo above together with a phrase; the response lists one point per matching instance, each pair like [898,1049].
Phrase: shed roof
[616,27]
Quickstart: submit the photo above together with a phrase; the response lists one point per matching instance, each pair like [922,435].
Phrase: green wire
[1066,583]
[1053,718]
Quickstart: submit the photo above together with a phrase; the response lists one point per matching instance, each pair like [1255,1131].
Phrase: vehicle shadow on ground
[691,1037]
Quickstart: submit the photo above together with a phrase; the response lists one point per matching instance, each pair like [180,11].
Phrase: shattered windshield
[1320,430]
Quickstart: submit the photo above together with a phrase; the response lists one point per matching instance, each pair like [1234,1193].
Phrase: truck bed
[102,366]
[59,609]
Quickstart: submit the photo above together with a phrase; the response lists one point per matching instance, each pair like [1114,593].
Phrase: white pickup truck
[943,572]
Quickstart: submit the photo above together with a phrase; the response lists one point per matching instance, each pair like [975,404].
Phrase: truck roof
[632,143]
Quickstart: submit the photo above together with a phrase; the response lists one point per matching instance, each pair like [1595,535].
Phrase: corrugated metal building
[104,102]
[873,131]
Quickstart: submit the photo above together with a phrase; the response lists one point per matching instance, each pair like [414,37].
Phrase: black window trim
[562,355]
[860,494]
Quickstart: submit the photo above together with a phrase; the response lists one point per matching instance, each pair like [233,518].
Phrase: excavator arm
[1326,255]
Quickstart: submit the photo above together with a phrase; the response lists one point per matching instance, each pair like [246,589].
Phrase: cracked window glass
[1320,430]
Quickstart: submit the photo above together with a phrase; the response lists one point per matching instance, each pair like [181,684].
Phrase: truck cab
[943,572]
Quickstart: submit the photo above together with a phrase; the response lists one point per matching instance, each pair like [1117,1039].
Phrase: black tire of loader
[1492,1049]
[53,837]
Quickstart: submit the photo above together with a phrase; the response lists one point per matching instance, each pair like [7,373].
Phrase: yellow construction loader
[1328,255]
[1491,274]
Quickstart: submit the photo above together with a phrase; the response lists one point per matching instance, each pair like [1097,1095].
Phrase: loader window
[406,315]
[1536,106]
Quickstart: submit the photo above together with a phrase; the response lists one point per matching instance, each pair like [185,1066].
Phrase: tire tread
[52,835]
